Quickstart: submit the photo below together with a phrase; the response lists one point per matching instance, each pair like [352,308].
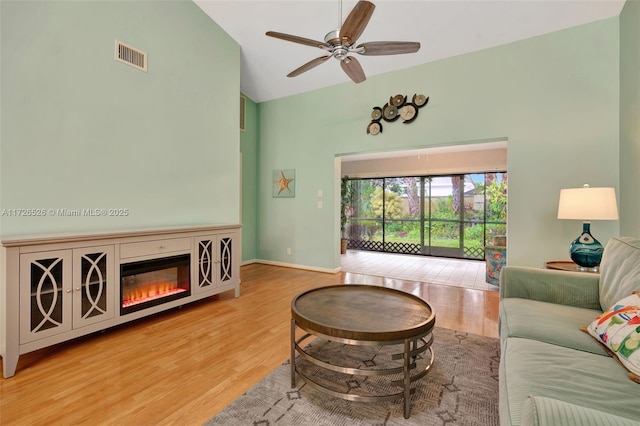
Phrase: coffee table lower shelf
[411,349]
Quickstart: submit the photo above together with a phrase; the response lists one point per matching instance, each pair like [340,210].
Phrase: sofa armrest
[549,285]
[540,410]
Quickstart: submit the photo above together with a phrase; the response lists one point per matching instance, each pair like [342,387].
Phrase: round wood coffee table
[356,314]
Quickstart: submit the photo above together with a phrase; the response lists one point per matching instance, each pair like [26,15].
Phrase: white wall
[555,98]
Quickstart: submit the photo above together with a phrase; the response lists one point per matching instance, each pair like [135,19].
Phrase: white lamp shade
[588,204]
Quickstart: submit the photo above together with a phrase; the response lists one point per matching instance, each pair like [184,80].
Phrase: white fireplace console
[57,288]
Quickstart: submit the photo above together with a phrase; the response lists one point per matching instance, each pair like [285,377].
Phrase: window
[449,216]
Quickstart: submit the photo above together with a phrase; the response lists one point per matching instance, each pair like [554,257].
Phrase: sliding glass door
[443,224]
[402,219]
[450,215]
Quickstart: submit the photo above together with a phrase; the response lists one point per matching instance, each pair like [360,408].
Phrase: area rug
[461,388]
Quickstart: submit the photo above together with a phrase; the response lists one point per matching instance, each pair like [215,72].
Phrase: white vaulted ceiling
[444,29]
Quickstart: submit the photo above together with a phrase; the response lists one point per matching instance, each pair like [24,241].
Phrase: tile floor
[434,270]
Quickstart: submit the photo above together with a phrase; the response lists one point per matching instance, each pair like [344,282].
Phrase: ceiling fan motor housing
[333,38]
[339,49]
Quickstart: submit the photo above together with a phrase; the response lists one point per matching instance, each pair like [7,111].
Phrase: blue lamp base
[585,250]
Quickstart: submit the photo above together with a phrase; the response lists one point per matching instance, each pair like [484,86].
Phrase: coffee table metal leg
[293,353]
[407,379]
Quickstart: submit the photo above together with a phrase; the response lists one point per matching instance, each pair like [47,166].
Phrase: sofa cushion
[548,322]
[539,410]
[529,367]
[619,270]
[618,329]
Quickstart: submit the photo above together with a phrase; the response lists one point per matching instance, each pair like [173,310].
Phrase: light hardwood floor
[183,366]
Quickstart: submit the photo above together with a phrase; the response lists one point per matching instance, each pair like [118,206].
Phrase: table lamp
[587,204]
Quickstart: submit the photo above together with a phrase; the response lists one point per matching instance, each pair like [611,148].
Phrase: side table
[567,265]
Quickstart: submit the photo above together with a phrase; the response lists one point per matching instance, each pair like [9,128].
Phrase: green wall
[555,98]
[630,119]
[249,150]
[81,130]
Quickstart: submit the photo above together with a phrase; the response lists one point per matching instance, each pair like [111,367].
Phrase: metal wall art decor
[284,183]
[397,107]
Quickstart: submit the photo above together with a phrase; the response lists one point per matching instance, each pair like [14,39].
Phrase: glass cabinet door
[45,294]
[93,285]
[225,247]
[205,271]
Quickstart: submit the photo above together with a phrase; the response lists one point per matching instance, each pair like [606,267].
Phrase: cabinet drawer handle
[68,290]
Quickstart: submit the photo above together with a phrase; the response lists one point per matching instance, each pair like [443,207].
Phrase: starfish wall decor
[284,183]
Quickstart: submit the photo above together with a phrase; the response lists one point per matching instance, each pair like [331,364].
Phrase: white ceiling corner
[444,28]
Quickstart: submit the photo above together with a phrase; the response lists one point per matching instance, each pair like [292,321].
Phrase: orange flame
[151,291]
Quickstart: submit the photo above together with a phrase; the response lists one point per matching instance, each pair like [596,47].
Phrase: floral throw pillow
[618,329]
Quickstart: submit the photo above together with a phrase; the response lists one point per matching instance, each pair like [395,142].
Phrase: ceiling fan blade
[356,22]
[389,47]
[353,69]
[306,67]
[296,39]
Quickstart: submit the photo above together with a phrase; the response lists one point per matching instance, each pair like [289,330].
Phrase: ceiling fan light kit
[341,44]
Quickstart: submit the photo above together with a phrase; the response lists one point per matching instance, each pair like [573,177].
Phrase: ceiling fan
[341,44]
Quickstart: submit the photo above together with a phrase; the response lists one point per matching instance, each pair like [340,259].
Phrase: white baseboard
[292,265]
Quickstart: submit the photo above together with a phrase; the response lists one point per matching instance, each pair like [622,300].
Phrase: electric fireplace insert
[153,282]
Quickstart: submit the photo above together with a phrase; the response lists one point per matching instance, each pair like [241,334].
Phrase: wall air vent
[131,56]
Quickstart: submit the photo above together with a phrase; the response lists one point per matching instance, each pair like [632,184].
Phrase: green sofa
[551,372]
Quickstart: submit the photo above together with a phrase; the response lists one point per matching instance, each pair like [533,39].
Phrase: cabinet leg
[9,363]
